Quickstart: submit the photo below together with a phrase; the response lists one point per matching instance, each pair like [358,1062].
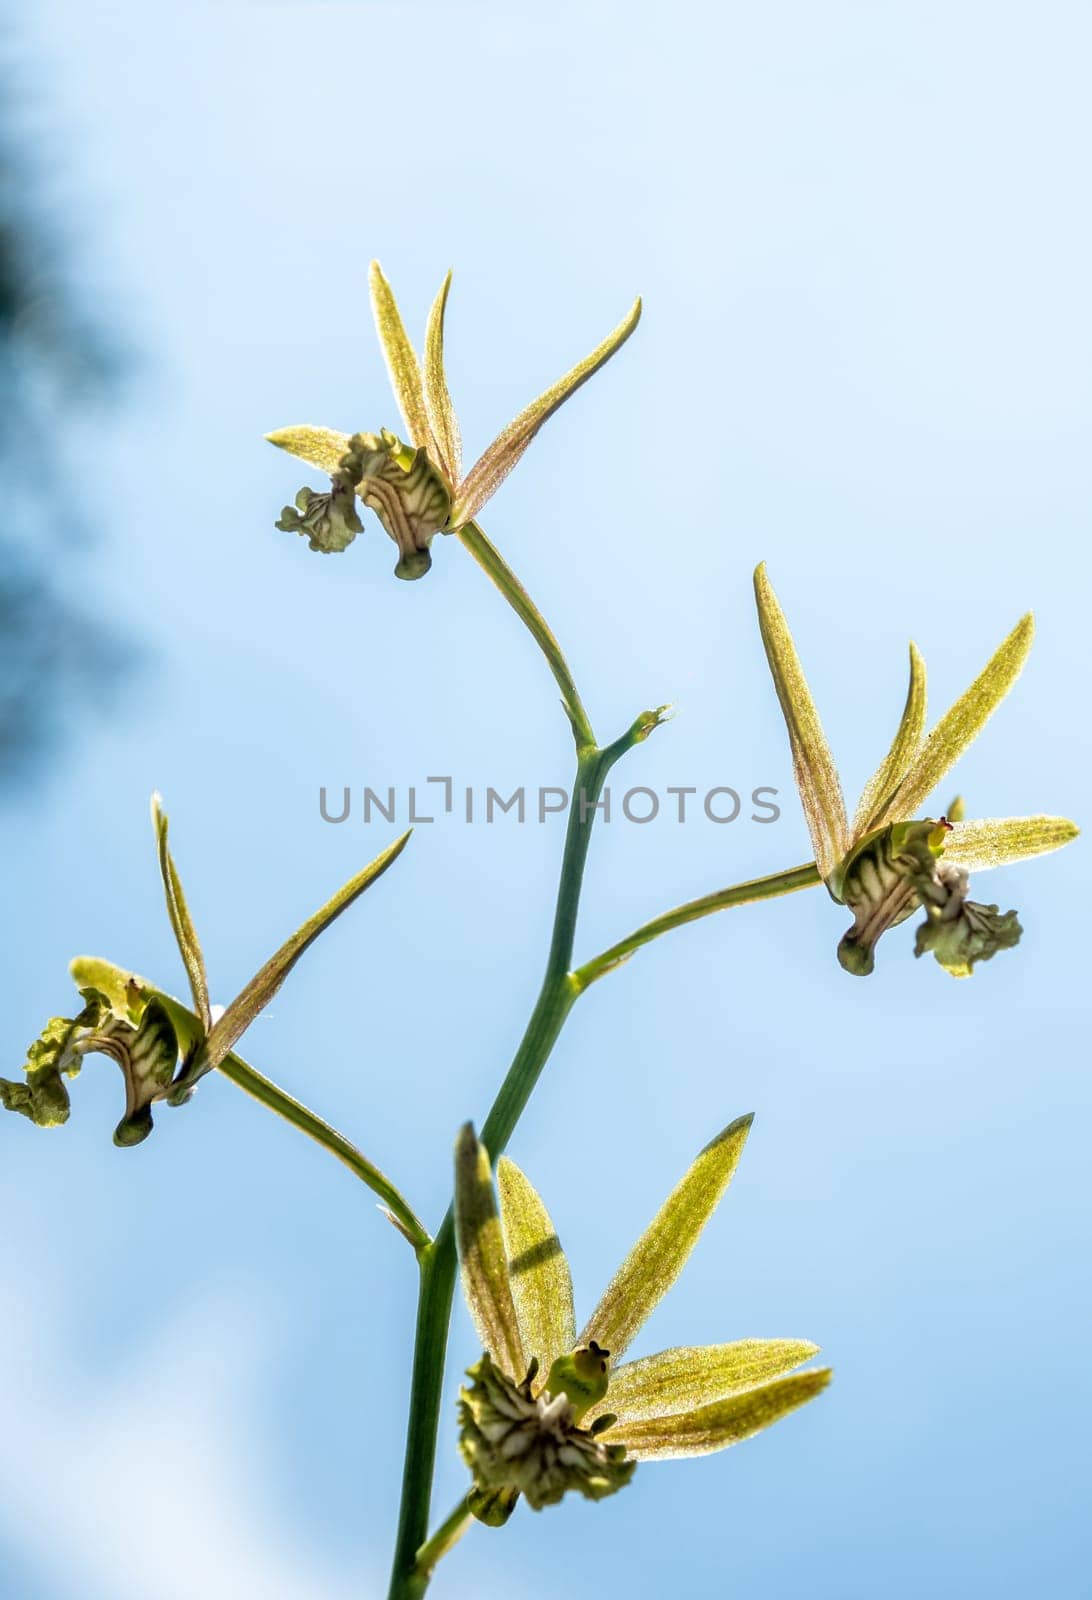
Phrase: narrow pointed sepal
[443,421]
[247,1005]
[995,841]
[816,775]
[321,447]
[403,367]
[963,722]
[185,934]
[658,1257]
[688,1377]
[483,1259]
[489,472]
[872,810]
[727,1422]
[538,1269]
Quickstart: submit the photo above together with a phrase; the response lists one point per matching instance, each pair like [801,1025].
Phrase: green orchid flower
[889,861]
[548,1410]
[417,489]
[120,1019]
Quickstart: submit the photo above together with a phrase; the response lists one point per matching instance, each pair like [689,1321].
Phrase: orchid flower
[417,489]
[890,861]
[135,1029]
[549,1410]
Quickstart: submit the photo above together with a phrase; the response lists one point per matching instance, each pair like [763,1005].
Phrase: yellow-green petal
[483,1259]
[715,1427]
[401,358]
[904,747]
[264,985]
[490,471]
[994,841]
[691,1376]
[441,413]
[962,723]
[664,1248]
[322,447]
[813,765]
[189,946]
[538,1269]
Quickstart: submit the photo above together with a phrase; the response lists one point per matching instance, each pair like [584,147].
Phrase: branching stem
[415,1554]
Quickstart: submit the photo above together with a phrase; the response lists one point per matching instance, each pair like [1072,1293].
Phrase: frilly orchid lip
[432,494]
[889,861]
[576,1420]
[399,484]
[143,1043]
[518,1442]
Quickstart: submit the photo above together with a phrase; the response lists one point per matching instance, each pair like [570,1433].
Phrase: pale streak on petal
[441,413]
[322,447]
[715,1427]
[662,1251]
[403,367]
[483,1259]
[691,1376]
[994,841]
[538,1270]
[872,810]
[813,765]
[490,471]
[962,723]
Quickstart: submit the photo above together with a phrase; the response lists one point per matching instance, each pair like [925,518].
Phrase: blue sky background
[863,239]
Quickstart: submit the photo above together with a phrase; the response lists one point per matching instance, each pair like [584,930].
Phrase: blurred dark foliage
[57,365]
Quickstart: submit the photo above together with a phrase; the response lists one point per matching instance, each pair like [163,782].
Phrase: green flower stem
[447,1534]
[494,565]
[416,1555]
[438,1262]
[264,1090]
[740,894]
[113,981]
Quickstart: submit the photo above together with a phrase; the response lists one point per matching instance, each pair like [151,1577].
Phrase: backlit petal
[482,1257]
[872,810]
[962,723]
[813,765]
[993,841]
[688,1377]
[715,1427]
[322,447]
[538,1270]
[257,994]
[664,1248]
[401,358]
[490,471]
[441,413]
